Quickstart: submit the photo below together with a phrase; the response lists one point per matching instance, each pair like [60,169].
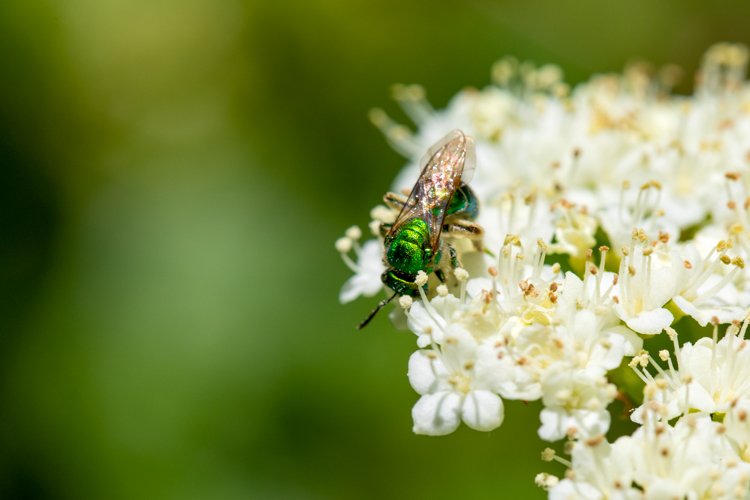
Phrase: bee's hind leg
[466,229]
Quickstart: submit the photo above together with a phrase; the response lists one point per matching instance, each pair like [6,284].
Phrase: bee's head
[401,283]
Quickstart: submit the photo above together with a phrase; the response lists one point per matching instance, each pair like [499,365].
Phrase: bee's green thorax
[408,250]
[464,202]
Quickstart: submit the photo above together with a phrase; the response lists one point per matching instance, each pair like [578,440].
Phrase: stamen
[462,275]
[344,246]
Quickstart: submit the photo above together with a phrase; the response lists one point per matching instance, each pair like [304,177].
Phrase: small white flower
[575,403]
[703,292]
[368,269]
[644,288]
[456,385]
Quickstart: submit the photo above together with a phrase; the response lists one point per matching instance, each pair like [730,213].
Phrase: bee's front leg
[394,201]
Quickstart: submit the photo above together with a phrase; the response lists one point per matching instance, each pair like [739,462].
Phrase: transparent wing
[443,167]
[470,161]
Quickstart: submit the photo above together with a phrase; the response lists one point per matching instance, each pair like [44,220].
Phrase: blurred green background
[174,175]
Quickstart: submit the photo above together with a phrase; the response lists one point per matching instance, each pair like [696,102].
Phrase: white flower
[644,288]
[721,368]
[703,292]
[575,402]
[456,384]
[694,459]
[599,470]
[574,230]
[368,269]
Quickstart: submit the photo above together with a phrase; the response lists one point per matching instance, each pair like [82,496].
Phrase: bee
[440,203]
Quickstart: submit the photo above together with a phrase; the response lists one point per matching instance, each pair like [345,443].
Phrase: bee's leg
[394,201]
[384,228]
[454,257]
[465,229]
[440,274]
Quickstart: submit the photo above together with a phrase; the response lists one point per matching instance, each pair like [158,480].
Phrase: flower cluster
[610,211]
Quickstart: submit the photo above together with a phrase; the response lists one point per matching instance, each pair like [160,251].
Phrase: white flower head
[456,384]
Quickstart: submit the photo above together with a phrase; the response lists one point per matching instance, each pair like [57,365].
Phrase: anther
[354,233]
[688,265]
[548,454]
[344,244]
[421,279]
[461,274]
[732,176]
[442,290]
[664,355]
[493,271]
[405,301]
[594,440]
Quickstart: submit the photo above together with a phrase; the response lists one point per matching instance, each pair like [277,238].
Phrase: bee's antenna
[381,305]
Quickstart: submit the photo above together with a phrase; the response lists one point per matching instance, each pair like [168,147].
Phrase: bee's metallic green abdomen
[407,251]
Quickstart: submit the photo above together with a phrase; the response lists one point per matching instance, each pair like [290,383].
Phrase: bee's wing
[470,161]
[442,169]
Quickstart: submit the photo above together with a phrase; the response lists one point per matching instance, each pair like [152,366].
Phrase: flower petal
[650,322]
[437,414]
[425,369]
[483,410]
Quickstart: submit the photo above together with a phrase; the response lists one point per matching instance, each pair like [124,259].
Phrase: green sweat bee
[440,202]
